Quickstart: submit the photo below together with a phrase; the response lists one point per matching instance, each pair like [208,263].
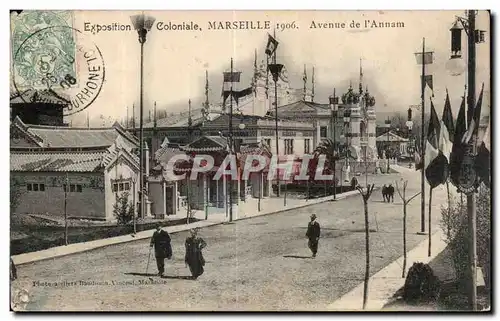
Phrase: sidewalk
[383,284]
[248,210]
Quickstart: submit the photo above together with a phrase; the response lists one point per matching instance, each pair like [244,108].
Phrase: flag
[436,167]
[272,44]
[428,81]
[237,94]
[458,148]
[483,159]
[232,76]
[428,57]
[446,133]
[474,123]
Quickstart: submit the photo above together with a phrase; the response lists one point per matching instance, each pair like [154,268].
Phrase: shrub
[15,194]
[421,285]
[455,225]
[123,209]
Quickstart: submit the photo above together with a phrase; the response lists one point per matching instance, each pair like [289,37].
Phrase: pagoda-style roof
[207,144]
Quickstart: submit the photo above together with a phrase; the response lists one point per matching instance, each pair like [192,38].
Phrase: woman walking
[194,256]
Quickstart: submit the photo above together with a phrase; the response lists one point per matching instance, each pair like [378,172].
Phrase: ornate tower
[371,117]
[351,101]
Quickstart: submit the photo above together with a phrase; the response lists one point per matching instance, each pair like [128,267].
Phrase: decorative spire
[255,73]
[360,76]
[133,116]
[154,115]
[304,78]
[206,91]
[312,91]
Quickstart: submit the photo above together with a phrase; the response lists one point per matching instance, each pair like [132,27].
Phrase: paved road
[256,264]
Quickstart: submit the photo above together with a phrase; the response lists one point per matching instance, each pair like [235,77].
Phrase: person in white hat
[313,233]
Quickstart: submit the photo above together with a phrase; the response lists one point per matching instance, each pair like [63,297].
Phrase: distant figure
[194,256]
[163,248]
[313,233]
[385,193]
[390,189]
[354,182]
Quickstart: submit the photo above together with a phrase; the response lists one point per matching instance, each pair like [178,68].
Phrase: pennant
[436,165]
[476,117]
[428,81]
[458,148]
[272,45]
[446,133]
[428,58]
[483,159]
[237,94]
[304,78]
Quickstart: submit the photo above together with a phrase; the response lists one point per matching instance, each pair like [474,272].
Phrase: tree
[123,209]
[15,194]
[405,203]
[366,196]
[328,148]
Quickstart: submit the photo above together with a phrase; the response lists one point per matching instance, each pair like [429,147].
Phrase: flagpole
[231,142]
[471,202]
[422,144]
[276,115]
[430,211]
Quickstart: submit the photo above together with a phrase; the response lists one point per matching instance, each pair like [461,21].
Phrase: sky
[175,61]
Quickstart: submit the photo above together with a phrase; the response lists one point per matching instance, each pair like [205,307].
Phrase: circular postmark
[59,63]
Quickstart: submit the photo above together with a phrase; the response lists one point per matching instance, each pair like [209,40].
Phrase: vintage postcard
[250,160]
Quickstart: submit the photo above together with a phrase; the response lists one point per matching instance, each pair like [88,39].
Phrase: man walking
[313,233]
[163,248]
[390,189]
[384,193]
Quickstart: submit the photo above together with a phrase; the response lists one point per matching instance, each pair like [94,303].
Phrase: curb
[387,281]
[60,251]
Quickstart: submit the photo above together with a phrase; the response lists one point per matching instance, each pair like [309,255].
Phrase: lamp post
[388,126]
[275,70]
[134,181]
[334,105]
[142,23]
[468,179]
[347,121]
[409,125]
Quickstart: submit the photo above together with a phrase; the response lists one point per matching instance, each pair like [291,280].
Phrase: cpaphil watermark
[309,167]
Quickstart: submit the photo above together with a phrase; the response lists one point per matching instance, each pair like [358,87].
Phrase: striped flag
[483,159]
[446,133]
[458,148]
[474,123]
[272,45]
[436,165]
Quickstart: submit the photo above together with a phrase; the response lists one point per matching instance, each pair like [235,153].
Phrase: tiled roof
[74,137]
[164,154]
[207,144]
[71,137]
[301,106]
[56,161]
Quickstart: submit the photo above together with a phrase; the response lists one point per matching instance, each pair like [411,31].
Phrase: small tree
[405,203]
[123,209]
[15,194]
[366,196]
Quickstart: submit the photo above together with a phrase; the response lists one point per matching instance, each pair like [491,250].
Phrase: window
[35,187]
[323,131]
[288,146]
[268,141]
[307,146]
[73,188]
[121,186]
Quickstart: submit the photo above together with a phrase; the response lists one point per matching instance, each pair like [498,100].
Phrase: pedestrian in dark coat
[163,248]
[391,193]
[384,193]
[313,233]
[194,256]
